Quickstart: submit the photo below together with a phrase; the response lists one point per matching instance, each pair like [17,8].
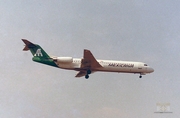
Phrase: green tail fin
[39,55]
[35,49]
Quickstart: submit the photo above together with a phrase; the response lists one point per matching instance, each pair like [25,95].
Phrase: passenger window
[145,65]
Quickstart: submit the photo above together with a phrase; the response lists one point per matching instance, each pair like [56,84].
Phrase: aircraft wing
[81,73]
[88,63]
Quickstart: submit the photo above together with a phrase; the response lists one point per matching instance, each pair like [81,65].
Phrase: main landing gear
[87,75]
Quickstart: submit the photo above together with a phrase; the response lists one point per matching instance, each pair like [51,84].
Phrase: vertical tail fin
[35,49]
[39,55]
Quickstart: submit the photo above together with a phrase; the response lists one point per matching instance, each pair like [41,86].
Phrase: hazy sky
[134,30]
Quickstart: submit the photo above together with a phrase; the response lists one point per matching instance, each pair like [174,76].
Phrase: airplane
[86,65]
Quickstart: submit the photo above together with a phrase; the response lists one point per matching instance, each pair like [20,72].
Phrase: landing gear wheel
[140,76]
[87,76]
[88,71]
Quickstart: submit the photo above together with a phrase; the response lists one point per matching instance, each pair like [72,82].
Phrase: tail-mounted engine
[63,59]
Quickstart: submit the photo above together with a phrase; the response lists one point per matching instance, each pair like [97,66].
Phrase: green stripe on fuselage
[47,61]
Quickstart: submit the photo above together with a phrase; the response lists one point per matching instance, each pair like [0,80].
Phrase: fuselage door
[142,67]
[145,67]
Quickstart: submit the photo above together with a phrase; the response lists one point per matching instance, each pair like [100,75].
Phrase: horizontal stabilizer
[26,48]
[28,45]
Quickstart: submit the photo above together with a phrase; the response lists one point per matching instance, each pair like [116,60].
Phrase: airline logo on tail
[38,53]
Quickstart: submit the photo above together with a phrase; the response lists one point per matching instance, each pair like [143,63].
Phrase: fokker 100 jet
[86,65]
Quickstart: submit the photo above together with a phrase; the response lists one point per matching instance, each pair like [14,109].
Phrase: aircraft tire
[88,71]
[87,76]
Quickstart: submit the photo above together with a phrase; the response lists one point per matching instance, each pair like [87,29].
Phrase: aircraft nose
[150,70]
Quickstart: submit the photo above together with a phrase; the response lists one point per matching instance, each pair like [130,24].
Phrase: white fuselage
[110,66]
[86,65]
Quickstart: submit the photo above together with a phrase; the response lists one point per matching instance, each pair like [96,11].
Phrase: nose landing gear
[140,76]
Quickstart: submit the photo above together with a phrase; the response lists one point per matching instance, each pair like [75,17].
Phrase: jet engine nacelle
[64,59]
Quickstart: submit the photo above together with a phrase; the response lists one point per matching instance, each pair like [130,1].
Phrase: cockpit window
[145,65]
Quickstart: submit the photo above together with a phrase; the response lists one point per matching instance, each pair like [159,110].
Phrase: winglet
[28,45]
